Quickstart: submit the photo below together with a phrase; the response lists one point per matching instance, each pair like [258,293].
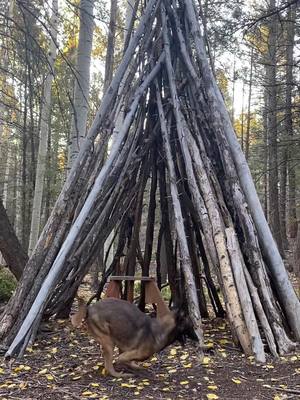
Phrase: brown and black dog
[113,322]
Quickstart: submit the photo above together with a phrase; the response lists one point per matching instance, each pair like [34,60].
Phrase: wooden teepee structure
[176,133]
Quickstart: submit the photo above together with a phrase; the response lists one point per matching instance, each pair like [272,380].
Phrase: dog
[118,323]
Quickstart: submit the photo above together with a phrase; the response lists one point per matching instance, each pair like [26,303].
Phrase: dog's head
[183,327]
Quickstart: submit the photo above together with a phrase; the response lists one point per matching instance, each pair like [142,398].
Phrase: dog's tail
[80,315]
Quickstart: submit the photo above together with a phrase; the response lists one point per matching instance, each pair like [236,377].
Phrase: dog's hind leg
[108,348]
[132,364]
[129,357]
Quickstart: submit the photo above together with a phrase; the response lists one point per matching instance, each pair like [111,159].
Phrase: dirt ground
[66,363]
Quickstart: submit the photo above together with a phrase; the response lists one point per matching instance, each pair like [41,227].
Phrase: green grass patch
[8,284]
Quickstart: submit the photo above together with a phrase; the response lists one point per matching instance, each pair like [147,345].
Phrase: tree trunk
[10,247]
[266,158]
[109,68]
[248,127]
[80,104]
[4,68]
[110,51]
[291,150]
[271,82]
[44,132]
[283,191]
[297,257]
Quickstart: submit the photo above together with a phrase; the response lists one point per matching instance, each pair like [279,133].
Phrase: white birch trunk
[80,105]
[44,132]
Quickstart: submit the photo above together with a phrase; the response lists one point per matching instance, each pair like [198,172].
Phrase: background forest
[57,58]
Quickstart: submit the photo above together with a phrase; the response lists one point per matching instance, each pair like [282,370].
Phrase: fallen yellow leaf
[223,341]
[23,385]
[147,364]
[206,360]
[11,385]
[184,382]
[19,368]
[212,396]
[212,387]
[173,352]
[237,381]
[43,371]
[128,385]
[269,366]
[29,349]
[54,350]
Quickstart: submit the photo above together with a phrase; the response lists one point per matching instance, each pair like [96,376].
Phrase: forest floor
[66,363]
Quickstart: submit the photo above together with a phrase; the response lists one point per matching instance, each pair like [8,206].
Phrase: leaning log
[222,122]
[193,306]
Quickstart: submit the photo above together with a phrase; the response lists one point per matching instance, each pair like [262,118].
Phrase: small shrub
[7,284]
[166,293]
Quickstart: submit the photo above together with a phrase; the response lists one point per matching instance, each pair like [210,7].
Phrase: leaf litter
[66,363]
